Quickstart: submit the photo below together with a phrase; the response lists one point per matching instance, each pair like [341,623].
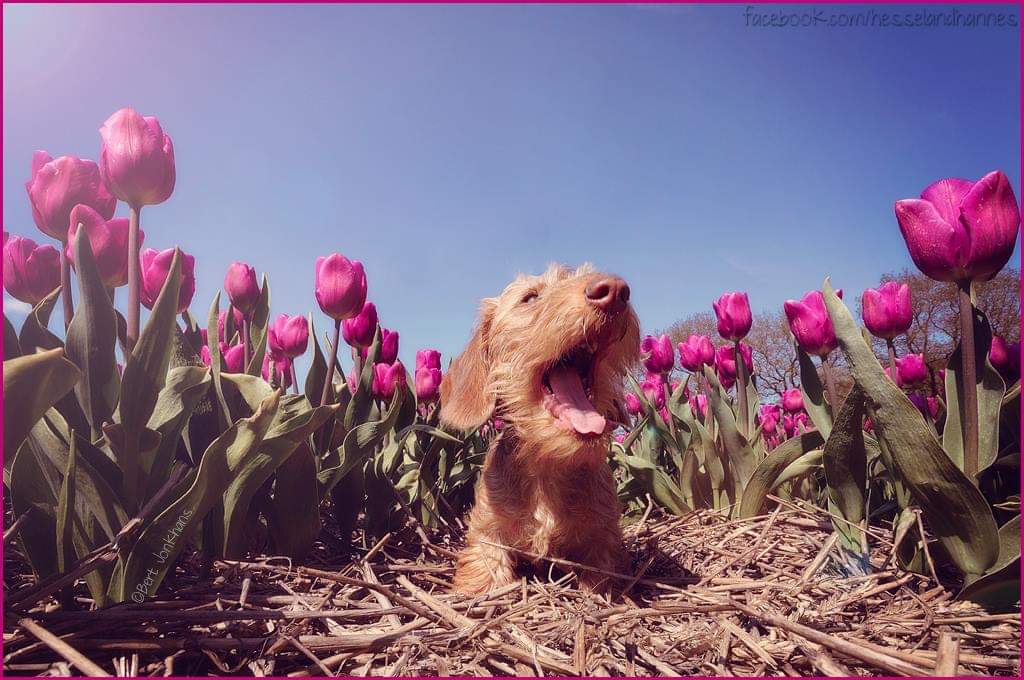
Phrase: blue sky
[449,148]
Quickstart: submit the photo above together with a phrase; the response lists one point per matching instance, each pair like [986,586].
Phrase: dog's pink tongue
[571,405]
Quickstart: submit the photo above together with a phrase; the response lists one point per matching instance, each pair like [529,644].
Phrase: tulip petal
[933,242]
[947,195]
[992,218]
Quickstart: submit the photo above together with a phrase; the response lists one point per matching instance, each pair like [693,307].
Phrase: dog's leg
[482,567]
[598,534]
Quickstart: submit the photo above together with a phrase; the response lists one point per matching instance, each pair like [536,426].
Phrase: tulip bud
[794,424]
[793,400]
[928,406]
[136,159]
[388,347]
[340,286]
[633,405]
[222,321]
[155,265]
[725,361]
[810,323]
[620,438]
[204,354]
[57,186]
[386,377]
[699,405]
[887,311]
[658,355]
[108,240]
[696,352]
[734,317]
[277,369]
[289,336]
[234,358]
[911,369]
[428,382]
[31,271]
[358,331]
[428,358]
[1005,358]
[961,230]
[653,388]
[242,288]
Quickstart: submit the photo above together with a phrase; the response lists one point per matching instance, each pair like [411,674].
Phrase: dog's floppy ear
[466,402]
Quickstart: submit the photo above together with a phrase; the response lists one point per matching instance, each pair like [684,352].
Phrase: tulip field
[180,500]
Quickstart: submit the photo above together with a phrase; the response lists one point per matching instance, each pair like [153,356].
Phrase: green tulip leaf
[185,389]
[845,458]
[990,388]
[32,384]
[741,457]
[955,510]
[999,588]
[144,376]
[814,393]
[32,494]
[92,340]
[768,473]
[656,482]
[12,348]
[259,324]
[294,517]
[35,333]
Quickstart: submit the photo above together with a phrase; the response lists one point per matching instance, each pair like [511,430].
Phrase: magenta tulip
[1005,358]
[911,369]
[358,331]
[696,352]
[387,377]
[793,400]
[674,387]
[633,405]
[109,242]
[810,323]
[699,405]
[653,388]
[155,265]
[795,423]
[620,438]
[277,369]
[136,158]
[57,186]
[734,317]
[289,335]
[928,406]
[340,286]
[887,311]
[234,358]
[961,230]
[242,288]
[222,322]
[388,347]
[428,358]
[31,271]
[428,383]
[657,352]
[725,360]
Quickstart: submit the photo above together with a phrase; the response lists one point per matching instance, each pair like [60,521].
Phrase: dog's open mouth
[567,385]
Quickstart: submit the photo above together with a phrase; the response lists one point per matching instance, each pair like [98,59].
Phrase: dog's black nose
[608,294]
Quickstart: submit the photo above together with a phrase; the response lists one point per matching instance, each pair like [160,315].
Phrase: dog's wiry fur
[544,489]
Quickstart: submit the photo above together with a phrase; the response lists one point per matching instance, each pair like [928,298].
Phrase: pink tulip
[633,405]
[793,400]
[653,388]
[868,425]
[428,358]
[222,322]
[725,360]
[810,323]
[770,415]
[358,331]
[961,230]
[234,358]
[108,240]
[912,369]
[57,186]
[388,347]
[794,424]
[699,405]
[428,383]
[674,386]
[155,265]
[277,369]
[1005,358]
[696,352]
[665,415]
[31,271]
[340,286]
[928,406]
[242,288]
[657,352]
[734,318]
[386,377]
[204,354]
[620,438]
[289,335]
[136,159]
[887,311]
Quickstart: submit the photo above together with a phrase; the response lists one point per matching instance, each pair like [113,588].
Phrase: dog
[548,357]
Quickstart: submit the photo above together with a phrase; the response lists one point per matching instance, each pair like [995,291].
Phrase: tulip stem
[295,381]
[830,387]
[330,363]
[134,275]
[968,382]
[892,360]
[246,352]
[65,285]
[741,390]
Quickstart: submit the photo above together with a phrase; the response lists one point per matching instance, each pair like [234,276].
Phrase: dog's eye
[529,297]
